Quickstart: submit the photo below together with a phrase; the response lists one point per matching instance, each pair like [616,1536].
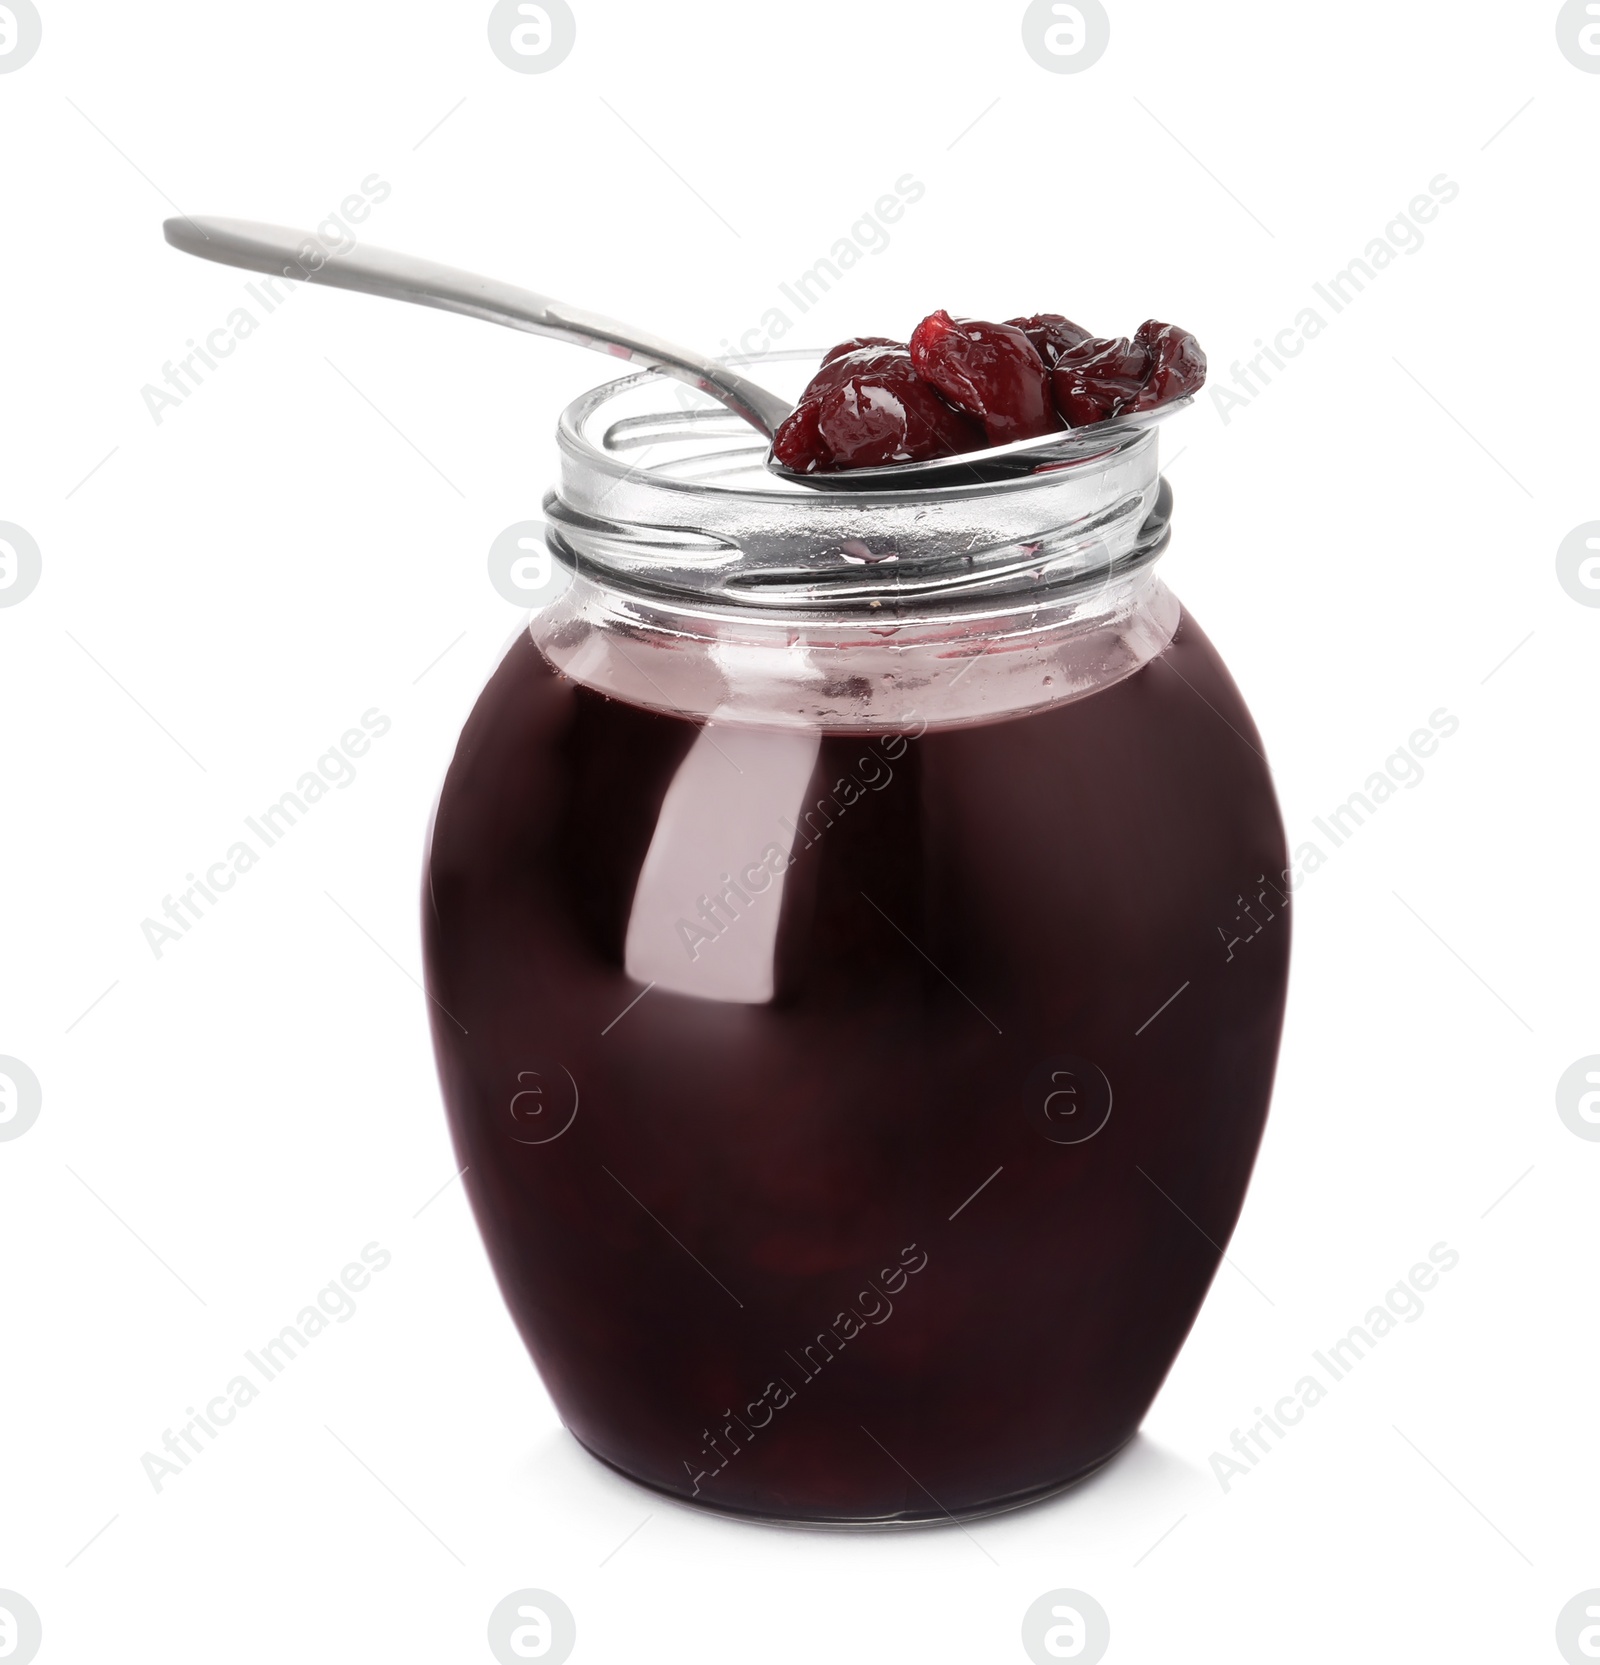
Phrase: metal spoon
[402,277]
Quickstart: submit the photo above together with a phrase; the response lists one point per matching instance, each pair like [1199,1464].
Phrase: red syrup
[917,1227]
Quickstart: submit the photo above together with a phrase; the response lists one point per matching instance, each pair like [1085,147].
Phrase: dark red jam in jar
[830,923]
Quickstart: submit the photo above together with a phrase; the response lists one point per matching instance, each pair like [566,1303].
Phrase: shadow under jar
[857,939]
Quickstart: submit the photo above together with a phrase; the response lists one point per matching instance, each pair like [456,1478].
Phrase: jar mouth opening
[667,495]
[693,434]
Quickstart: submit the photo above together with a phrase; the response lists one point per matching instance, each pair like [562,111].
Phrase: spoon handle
[400,277]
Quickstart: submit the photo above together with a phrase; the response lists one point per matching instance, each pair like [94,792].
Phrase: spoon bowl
[1021,456]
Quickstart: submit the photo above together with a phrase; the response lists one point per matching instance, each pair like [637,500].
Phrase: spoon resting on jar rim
[300,257]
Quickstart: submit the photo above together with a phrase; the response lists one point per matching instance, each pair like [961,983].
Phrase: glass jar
[857,939]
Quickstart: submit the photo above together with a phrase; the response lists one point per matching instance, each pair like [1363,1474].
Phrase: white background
[232,588]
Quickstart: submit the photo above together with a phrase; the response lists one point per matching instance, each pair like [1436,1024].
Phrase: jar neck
[843,677]
[698,583]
